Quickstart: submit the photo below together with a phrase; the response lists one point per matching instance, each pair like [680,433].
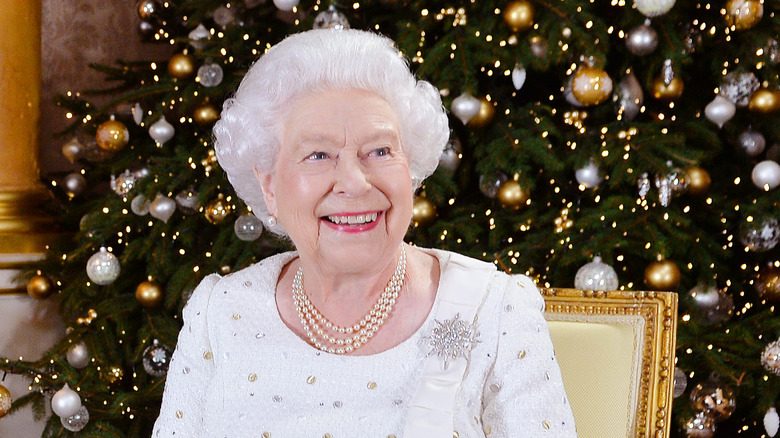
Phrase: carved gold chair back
[616,352]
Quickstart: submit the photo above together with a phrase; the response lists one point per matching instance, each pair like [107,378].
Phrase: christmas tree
[596,144]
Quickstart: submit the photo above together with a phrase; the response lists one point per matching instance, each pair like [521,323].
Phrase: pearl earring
[271,220]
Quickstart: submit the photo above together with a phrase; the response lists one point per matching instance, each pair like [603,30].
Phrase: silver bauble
[760,234]
[74,184]
[700,425]
[596,275]
[489,184]
[78,355]
[103,267]
[72,149]
[66,402]
[705,296]
[187,201]
[721,312]
[156,359]
[680,382]
[331,19]
[451,155]
[162,207]
[123,183]
[76,422]
[161,131]
[653,8]
[465,107]
[210,74]
[720,110]
[642,40]
[629,97]
[766,175]
[751,142]
[713,398]
[223,16]
[198,36]
[140,205]
[588,175]
[770,357]
[739,86]
[248,227]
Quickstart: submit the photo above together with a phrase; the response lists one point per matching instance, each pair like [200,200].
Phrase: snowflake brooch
[453,338]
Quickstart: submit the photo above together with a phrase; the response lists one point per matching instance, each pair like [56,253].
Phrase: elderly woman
[354,334]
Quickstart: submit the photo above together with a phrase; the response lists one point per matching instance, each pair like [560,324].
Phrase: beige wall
[76,33]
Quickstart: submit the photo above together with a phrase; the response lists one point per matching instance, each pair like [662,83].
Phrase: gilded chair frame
[658,310]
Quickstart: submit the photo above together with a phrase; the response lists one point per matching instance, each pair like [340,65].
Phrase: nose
[351,179]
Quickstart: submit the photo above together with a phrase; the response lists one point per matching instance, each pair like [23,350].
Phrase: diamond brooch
[453,338]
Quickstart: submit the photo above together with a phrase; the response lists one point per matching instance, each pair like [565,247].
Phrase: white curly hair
[248,134]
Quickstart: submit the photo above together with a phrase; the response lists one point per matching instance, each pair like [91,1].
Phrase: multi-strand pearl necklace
[318,327]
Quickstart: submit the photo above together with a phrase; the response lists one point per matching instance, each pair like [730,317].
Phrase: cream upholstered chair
[616,352]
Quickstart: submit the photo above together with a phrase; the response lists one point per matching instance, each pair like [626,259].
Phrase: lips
[353,219]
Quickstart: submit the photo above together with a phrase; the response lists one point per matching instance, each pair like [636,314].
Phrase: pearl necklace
[359,333]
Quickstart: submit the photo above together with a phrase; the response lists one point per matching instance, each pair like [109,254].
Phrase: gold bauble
[511,194]
[112,135]
[217,210]
[667,92]
[205,115]
[698,180]
[149,294]
[768,284]
[181,66]
[5,401]
[591,85]
[484,116]
[764,101]
[519,15]
[40,287]
[423,211]
[743,14]
[662,275]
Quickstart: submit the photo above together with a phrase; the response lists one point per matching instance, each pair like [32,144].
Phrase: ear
[267,186]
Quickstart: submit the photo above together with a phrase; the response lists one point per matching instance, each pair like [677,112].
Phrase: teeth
[353,220]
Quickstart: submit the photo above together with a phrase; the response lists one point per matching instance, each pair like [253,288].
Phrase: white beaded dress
[238,371]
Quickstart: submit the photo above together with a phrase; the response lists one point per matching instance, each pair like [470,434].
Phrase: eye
[380,152]
[317,156]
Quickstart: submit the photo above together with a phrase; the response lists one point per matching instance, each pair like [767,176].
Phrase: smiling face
[341,186]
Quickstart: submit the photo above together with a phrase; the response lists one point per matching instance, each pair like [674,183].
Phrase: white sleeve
[190,370]
[524,394]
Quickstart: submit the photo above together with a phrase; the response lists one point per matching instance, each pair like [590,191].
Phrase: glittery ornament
[181,66]
[653,8]
[642,40]
[198,36]
[248,227]
[588,175]
[187,201]
[78,355]
[771,421]
[40,287]
[759,234]
[489,184]
[770,357]
[744,14]
[451,155]
[772,51]
[670,184]
[65,402]
[453,338]
[596,275]
[766,175]
[591,85]
[156,359]
[738,87]
[76,422]
[643,185]
[161,131]
[629,97]
[465,107]
[162,207]
[112,135]
[518,76]
[423,211]
[217,210]
[123,183]
[714,398]
[210,74]
[140,205]
[720,110]
[5,401]
[511,194]
[751,142]
[701,425]
[103,268]
[692,39]
[768,283]
[113,375]
[662,275]
[332,18]
[519,15]
[680,382]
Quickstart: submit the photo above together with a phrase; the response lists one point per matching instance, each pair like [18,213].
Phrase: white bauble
[103,268]
[65,402]
[596,275]
[162,207]
[161,131]
[771,421]
[78,355]
[588,175]
[198,36]
[465,107]
[518,76]
[720,110]
[653,8]
[752,142]
[248,227]
[140,205]
[766,175]
[286,5]
[451,155]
